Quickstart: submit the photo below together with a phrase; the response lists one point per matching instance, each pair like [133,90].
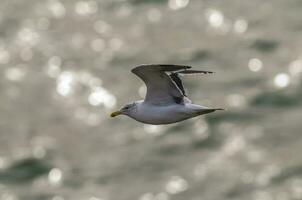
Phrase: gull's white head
[128,109]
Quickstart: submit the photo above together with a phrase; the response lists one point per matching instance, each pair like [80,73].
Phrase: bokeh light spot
[102,27]
[176,185]
[215,18]
[281,80]
[55,176]
[295,67]
[177,4]
[85,8]
[100,96]
[14,74]
[153,129]
[240,26]
[236,100]
[56,8]
[65,83]
[255,64]
[57,198]
[28,37]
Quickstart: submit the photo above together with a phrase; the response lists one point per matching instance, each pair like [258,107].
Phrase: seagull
[166,101]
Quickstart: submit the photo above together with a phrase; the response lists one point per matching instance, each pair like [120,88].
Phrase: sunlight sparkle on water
[8,196]
[262,195]
[215,18]
[255,64]
[236,100]
[56,8]
[151,196]
[201,129]
[124,11]
[295,67]
[57,198]
[281,80]
[296,188]
[176,185]
[265,176]
[233,145]
[39,152]
[65,83]
[153,129]
[55,176]
[85,8]
[100,96]
[177,4]
[240,26]
[14,74]
[161,196]
[147,196]
[95,198]
[28,36]
[53,68]
[102,27]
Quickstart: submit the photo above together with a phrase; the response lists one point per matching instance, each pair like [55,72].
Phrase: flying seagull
[166,101]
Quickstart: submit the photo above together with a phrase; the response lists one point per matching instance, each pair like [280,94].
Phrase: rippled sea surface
[65,65]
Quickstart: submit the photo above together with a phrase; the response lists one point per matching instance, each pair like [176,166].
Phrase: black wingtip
[195,72]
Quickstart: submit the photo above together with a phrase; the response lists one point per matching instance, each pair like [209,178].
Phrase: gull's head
[126,110]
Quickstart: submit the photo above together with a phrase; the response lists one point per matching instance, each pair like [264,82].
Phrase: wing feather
[161,89]
[194,72]
[175,77]
[163,83]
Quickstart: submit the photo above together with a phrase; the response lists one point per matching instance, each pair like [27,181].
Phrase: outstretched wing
[190,71]
[175,77]
[161,88]
[163,82]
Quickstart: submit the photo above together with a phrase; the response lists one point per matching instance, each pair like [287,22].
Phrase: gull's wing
[175,77]
[189,71]
[161,87]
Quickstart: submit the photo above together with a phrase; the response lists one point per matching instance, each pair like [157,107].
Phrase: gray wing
[161,89]
[164,88]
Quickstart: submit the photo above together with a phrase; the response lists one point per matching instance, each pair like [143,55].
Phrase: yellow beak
[116,113]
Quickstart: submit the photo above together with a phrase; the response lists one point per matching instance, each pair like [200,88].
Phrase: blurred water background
[65,65]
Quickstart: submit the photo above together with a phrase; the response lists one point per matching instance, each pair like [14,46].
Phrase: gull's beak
[116,113]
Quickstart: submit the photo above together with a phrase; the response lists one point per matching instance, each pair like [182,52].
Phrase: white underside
[166,114]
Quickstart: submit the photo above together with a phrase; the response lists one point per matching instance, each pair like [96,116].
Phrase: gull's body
[166,114]
[166,101]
